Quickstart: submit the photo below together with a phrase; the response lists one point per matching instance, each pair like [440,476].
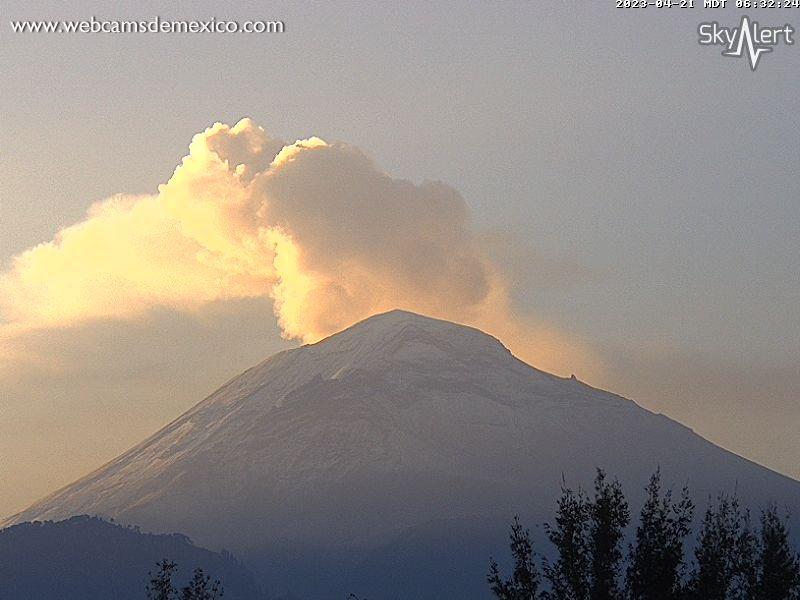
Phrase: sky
[587,183]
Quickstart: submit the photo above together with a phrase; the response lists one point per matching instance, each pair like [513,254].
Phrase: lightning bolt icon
[746,34]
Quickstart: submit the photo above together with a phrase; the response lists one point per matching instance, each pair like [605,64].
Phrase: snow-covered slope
[398,421]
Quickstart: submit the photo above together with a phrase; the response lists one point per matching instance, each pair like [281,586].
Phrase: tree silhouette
[732,560]
[745,580]
[718,574]
[202,588]
[524,581]
[656,564]
[608,518]
[160,585]
[778,566]
[569,575]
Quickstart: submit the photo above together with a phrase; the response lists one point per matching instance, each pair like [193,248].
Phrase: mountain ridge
[85,557]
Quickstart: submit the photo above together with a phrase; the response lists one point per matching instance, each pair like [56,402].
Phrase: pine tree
[160,586]
[569,575]
[608,518]
[524,582]
[778,565]
[656,564]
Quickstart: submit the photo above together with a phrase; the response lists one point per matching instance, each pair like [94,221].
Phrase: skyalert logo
[750,39]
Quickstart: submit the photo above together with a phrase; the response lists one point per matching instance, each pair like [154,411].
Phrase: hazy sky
[638,195]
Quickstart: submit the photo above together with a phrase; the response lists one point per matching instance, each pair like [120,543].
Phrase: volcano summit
[402,443]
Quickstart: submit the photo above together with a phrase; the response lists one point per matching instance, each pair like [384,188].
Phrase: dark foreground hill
[86,558]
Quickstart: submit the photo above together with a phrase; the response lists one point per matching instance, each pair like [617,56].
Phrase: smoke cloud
[317,228]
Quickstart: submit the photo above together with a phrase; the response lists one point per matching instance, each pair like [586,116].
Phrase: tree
[569,575]
[608,517]
[745,553]
[778,566]
[732,560]
[718,555]
[524,581]
[655,564]
[160,586]
[202,588]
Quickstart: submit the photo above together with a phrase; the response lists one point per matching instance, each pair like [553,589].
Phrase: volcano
[392,456]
